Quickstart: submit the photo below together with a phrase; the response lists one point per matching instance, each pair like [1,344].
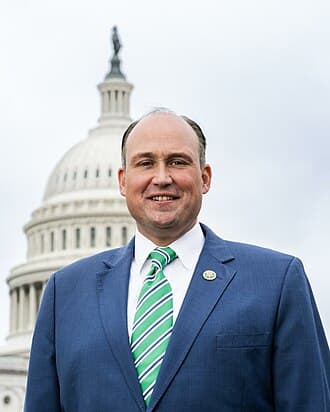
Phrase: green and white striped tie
[153,321]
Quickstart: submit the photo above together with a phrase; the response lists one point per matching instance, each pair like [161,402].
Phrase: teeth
[160,198]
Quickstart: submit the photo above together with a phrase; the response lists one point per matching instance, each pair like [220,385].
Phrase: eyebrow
[151,155]
[142,154]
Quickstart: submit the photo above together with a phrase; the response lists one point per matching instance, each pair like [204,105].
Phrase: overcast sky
[254,74]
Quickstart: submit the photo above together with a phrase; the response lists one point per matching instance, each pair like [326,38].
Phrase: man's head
[164,174]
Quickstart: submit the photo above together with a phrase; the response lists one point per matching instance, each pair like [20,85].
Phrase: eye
[177,162]
[145,163]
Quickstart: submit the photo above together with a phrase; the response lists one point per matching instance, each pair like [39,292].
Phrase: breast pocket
[243,341]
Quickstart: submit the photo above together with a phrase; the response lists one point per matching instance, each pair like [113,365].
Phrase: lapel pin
[209,275]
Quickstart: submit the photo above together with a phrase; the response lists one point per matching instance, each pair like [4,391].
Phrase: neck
[165,237]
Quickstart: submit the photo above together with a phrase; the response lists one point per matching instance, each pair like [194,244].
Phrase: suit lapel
[201,297]
[112,291]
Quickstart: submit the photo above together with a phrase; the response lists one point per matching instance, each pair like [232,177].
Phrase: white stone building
[82,213]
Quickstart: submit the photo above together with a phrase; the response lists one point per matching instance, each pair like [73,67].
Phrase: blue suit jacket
[250,340]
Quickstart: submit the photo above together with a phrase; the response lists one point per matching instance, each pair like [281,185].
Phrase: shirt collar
[188,247]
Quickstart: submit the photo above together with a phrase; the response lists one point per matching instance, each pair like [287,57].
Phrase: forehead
[162,132]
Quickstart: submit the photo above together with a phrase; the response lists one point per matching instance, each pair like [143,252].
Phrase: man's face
[163,181]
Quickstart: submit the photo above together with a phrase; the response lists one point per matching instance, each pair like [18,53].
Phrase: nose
[162,176]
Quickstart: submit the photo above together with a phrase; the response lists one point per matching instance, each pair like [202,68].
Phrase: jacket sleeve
[43,393]
[301,360]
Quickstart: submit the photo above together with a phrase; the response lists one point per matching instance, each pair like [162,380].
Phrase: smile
[162,198]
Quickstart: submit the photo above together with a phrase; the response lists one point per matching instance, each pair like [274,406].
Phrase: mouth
[162,198]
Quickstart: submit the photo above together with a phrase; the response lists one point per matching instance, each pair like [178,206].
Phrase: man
[239,329]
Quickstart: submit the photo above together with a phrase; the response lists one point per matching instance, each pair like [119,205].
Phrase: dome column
[120,102]
[125,103]
[21,299]
[32,305]
[13,310]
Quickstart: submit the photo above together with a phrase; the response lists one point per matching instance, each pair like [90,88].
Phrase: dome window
[108,236]
[63,239]
[75,175]
[124,235]
[78,238]
[85,174]
[65,177]
[6,400]
[109,100]
[92,237]
[116,100]
[97,173]
[52,241]
[42,243]
[109,172]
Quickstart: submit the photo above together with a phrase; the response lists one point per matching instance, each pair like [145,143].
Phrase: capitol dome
[87,169]
[90,167]
[81,213]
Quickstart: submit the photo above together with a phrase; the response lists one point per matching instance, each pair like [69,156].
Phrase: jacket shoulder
[91,264]
[248,256]
[250,250]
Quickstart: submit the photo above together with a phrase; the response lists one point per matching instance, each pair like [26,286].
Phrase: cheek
[192,184]
[136,183]
[186,180]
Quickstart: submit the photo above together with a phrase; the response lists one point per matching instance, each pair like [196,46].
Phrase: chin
[164,219]
[168,224]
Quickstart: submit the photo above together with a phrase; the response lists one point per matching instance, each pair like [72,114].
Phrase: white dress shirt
[179,272]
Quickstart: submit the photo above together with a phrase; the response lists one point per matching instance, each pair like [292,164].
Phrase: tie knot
[162,256]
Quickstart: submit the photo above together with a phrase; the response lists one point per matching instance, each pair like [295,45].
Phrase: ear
[206,178]
[122,181]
